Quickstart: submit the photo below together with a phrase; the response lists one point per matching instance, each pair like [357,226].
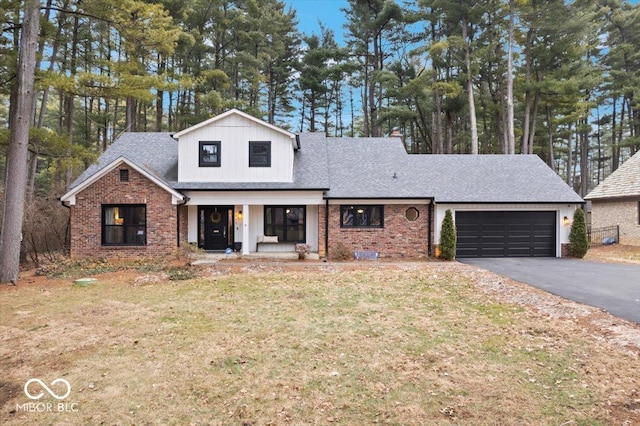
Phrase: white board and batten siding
[234,133]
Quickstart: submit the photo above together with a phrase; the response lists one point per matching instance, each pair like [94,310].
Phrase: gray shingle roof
[155,152]
[365,168]
[624,182]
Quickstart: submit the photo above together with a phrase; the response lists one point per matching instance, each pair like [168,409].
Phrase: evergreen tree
[448,237]
[578,243]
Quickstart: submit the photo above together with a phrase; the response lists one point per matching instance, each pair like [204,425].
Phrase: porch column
[245,229]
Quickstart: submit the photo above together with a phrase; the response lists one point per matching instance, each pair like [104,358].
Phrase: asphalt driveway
[612,287]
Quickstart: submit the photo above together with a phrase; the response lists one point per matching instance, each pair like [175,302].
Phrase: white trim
[236,112]
[370,201]
[70,196]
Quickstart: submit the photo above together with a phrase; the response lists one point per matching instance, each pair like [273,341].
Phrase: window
[638,212]
[124,225]
[287,222]
[361,216]
[259,154]
[209,154]
[412,214]
[124,175]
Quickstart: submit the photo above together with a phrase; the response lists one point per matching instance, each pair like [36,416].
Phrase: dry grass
[406,343]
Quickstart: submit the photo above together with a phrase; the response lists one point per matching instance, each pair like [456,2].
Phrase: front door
[216,227]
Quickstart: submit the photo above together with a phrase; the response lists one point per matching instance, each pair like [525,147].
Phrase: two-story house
[235,181]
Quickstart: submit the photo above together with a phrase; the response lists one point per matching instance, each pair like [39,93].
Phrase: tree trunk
[511,138]
[472,105]
[18,150]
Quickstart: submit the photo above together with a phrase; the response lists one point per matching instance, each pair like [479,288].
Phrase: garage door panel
[506,233]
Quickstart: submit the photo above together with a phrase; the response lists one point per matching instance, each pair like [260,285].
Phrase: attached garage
[506,233]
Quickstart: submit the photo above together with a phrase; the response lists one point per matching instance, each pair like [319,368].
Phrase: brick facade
[162,221]
[399,238]
[618,212]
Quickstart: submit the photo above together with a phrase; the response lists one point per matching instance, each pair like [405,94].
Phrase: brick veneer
[400,238]
[86,217]
[618,212]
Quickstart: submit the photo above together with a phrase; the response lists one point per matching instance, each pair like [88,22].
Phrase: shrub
[303,250]
[341,252]
[448,237]
[578,242]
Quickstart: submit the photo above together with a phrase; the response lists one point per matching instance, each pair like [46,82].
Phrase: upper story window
[209,154]
[259,154]
[124,175]
[363,216]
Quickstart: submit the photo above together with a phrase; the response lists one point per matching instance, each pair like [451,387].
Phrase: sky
[310,12]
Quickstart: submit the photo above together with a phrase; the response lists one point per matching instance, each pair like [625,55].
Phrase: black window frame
[126,236]
[255,159]
[271,226]
[201,160]
[354,210]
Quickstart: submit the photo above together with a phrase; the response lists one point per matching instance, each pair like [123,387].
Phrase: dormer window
[260,154]
[209,154]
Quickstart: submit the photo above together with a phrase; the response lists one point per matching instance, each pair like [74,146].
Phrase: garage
[506,233]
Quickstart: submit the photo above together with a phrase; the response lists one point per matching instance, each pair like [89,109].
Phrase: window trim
[201,162]
[284,225]
[344,207]
[104,226]
[252,161]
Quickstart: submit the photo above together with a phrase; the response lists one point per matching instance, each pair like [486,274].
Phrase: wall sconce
[565,221]
[239,215]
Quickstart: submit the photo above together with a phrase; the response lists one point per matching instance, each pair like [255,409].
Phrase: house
[234,181]
[616,201]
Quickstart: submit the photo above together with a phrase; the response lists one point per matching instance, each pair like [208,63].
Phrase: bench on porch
[271,241]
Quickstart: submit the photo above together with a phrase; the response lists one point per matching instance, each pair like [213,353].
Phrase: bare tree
[18,151]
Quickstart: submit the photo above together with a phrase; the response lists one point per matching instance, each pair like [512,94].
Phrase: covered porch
[253,222]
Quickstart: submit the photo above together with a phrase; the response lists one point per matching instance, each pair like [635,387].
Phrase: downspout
[430,229]
[326,229]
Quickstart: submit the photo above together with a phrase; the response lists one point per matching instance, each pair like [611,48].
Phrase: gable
[122,164]
[235,147]
[624,182]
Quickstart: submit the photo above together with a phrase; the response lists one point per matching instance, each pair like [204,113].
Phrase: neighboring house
[616,201]
[235,181]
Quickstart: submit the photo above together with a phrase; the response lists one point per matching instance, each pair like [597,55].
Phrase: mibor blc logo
[35,389]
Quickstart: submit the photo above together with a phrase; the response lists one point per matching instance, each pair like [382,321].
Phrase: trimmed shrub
[448,237]
[578,242]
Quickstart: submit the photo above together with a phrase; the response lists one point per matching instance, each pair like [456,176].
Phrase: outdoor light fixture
[565,220]
[240,215]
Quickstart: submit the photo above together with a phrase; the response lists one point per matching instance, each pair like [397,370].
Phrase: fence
[603,236]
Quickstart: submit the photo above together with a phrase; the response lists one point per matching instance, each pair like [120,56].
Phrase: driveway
[612,287]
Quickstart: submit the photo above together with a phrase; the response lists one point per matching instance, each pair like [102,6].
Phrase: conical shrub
[578,242]
[448,237]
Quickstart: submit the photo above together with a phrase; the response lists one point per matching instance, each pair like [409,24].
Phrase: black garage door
[506,234]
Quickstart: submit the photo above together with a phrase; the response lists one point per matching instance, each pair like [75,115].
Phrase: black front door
[216,227]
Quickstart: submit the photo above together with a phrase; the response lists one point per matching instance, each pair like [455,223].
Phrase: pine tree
[448,237]
[578,243]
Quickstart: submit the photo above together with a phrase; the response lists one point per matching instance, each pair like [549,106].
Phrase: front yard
[313,343]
